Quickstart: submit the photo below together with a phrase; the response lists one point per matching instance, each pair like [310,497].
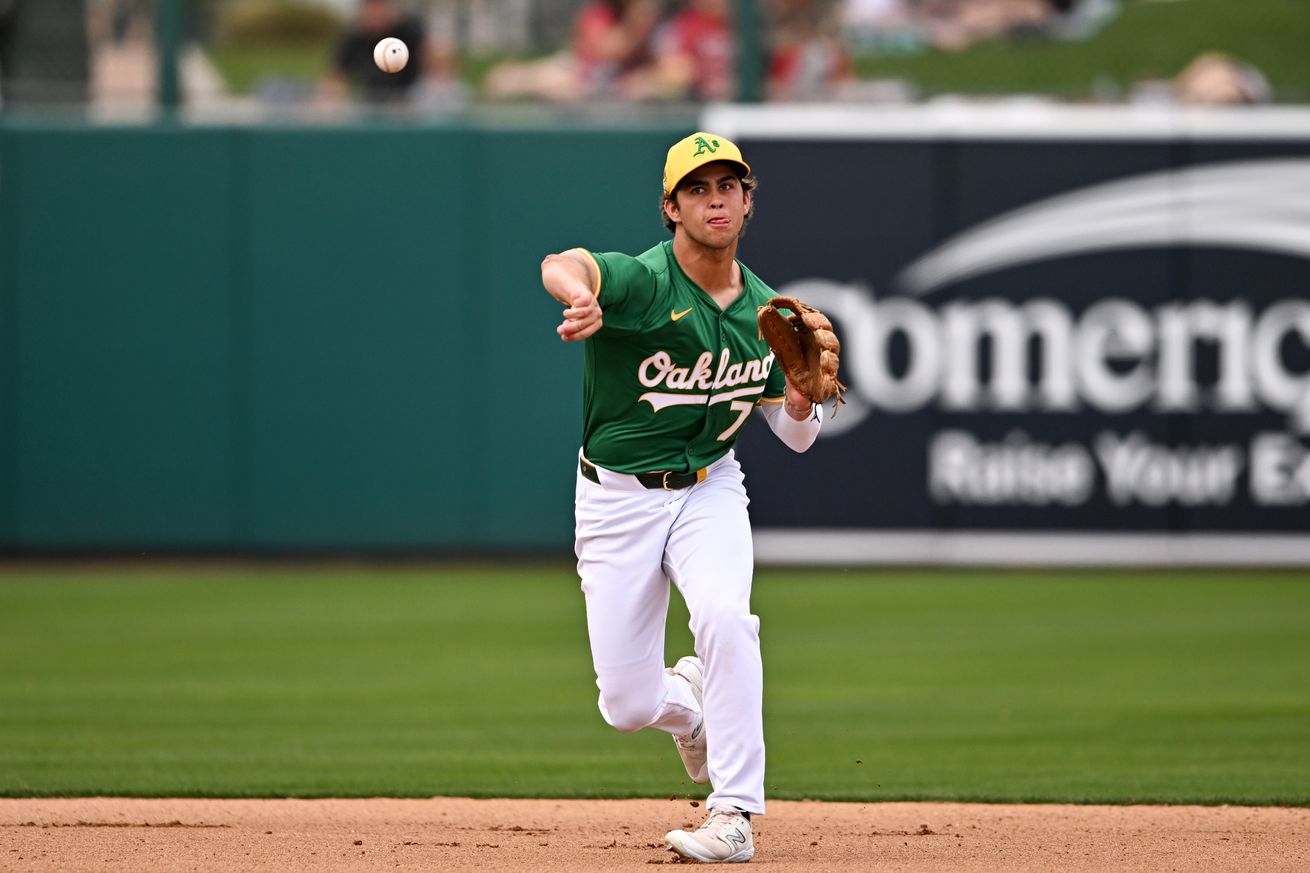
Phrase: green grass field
[475,680]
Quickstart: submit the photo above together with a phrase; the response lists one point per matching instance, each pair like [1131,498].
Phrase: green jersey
[670,378]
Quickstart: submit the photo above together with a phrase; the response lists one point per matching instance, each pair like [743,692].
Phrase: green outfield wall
[262,338]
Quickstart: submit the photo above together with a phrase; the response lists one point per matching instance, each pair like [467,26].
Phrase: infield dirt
[117,834]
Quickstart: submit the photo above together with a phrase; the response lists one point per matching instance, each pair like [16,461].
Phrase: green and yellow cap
[694,151]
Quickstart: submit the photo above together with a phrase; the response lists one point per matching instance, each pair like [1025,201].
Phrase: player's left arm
[795,435]
[790,414]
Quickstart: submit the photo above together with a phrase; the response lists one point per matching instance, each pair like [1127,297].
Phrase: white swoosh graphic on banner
[1260,204]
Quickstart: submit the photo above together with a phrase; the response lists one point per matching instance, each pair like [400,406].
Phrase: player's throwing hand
[582,318]
[571,278]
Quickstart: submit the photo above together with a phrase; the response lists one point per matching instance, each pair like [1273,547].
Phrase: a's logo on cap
[702,146]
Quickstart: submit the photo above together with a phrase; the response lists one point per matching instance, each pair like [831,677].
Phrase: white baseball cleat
[725,838]
[691,748]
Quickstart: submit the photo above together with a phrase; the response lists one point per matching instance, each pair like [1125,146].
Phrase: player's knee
[626,711]
[727,623]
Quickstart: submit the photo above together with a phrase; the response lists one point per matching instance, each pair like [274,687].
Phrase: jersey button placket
[722,334]
[706,426]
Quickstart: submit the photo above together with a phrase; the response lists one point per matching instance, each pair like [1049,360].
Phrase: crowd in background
[582,51]
[644,50]
[907,26]
[670,50]
[649,49]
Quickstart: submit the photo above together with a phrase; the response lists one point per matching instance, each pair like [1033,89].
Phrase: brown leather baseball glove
[806,346]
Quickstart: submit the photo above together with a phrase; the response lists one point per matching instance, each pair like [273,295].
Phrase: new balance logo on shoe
[725,838]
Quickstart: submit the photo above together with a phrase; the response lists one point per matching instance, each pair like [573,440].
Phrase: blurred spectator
[954,25]
[610,57]
[1214,78]
[353,70]
[612,46]
[881,27]
[873,27]
[697,51]
[875,13]
[1081,19]
[807,59]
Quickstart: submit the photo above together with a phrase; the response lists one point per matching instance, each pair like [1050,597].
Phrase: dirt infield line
[129,834]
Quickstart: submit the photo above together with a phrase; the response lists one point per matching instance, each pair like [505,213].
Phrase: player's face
[710,205]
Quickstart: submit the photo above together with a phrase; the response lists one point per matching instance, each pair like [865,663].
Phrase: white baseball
[391,55]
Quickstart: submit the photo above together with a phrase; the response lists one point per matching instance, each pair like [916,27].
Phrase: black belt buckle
[669,480]
[588,470]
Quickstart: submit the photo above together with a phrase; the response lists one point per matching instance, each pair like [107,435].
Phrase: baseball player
[673,366]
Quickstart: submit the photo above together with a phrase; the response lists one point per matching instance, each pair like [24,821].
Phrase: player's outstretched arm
[571,278]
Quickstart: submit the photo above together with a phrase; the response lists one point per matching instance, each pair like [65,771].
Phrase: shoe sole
[694,666]
[682,843]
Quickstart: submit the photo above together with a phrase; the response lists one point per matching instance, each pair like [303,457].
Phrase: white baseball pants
[631,542]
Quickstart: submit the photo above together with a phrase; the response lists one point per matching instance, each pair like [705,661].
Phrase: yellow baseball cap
[694,151]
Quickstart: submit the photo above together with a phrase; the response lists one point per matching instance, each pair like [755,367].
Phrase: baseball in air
[391,55]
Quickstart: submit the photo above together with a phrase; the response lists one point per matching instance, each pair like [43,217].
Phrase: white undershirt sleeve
[795,435]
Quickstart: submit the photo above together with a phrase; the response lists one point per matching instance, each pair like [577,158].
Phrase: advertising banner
[1072,347]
